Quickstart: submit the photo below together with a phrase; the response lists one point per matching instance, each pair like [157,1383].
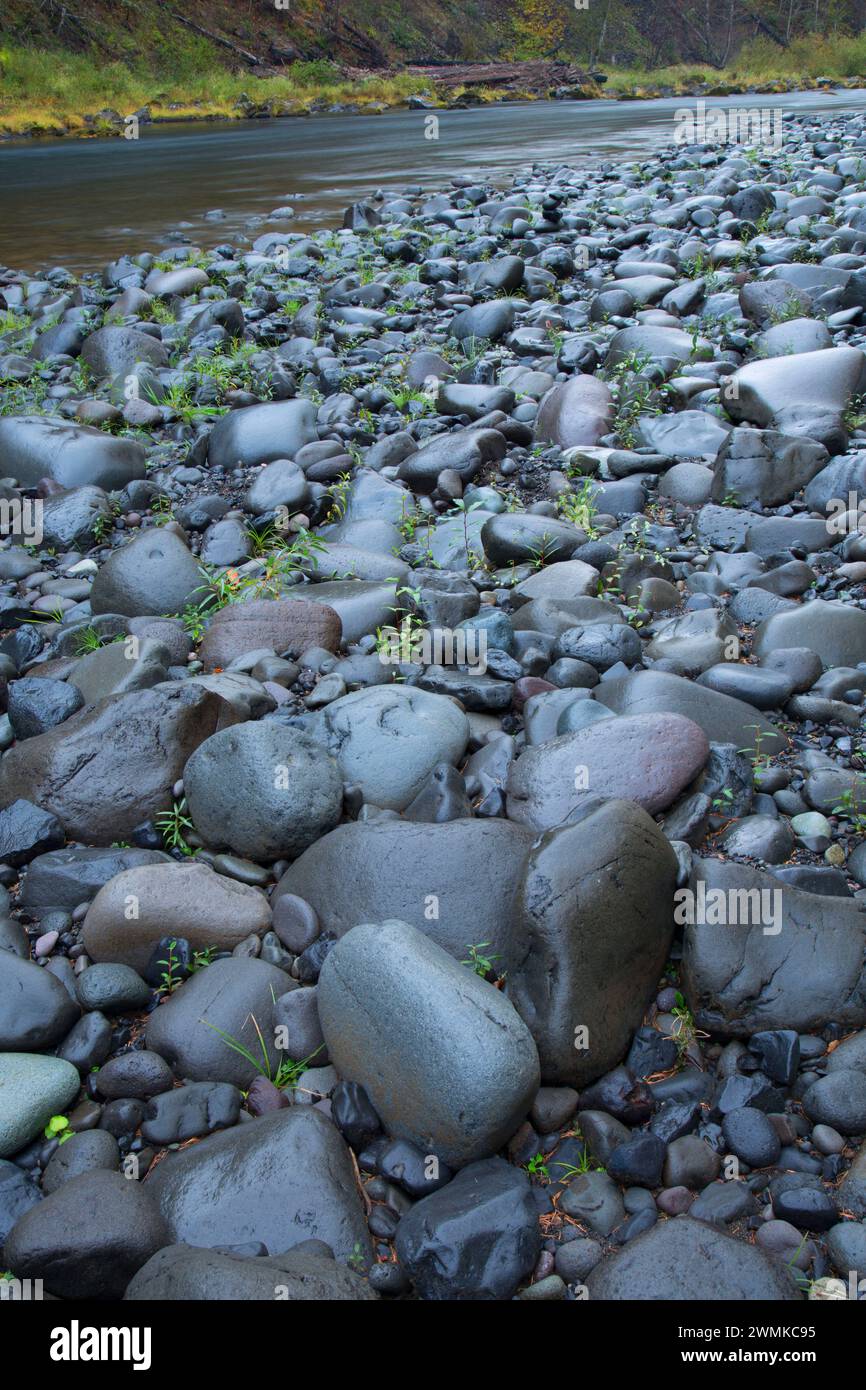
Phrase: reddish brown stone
[284,624]
[526,687]
[263,1097]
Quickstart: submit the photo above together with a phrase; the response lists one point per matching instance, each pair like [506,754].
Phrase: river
[79,203]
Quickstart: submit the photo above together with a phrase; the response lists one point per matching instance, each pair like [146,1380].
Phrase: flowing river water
[80,203]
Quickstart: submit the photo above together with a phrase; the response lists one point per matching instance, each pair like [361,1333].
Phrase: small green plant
[285,1075]
[852,809]
[854,417]
[58,1128]
[50,615]
[356,1259]
[169,975]
[579,507]
[88,640]
[338,492]
[586,1165]
[480,963]
[201,959]
[537,1168]
[684,1031]
[289,1072]
[761,761]
[161,511]
[173,826]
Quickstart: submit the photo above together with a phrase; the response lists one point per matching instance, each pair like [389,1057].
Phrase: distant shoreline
[274,98]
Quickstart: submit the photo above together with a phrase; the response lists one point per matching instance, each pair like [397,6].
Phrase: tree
[540,27]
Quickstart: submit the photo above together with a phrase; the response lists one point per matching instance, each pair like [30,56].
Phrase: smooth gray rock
[171,899]
[458,882]
[114,351]
[443,1056]
[121,667]
[34,447]
[765,466]
[723,720]
[192,1028]
[801,965]
[154,574]
[597,901]
[806,394]
[263,790]
[182,1273]
[476,1239]
[32,1089]
[646,758]
[90,1149]
[835,631]
[578,411]
[839,1100]
[387,740]
[88,1238]
[284,1179]
[261,434]
[114,764]
[62,879]
[686,1261]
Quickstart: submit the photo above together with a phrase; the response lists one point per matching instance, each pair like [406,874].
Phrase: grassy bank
[763,64]
[43,92]
[55,92]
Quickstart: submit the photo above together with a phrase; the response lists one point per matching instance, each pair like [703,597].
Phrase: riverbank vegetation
[83,71]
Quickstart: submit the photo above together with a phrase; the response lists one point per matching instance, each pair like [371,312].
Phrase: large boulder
[285,625]
[578,411]
[182,1273]
[113,765]
[760,954]
[765,466]
[231,1002]
[476,1239]
[646,758]
[263,790]
[180,900]
[687,1261]
[806,394]
[261,434]
[722,718]
[835,631]
[465,451]
[458,881]
[88,1238]
[667,346]
[36,1010]
[284,1179]
[35,446]
[64,878]
[114,351]
[597,901]
[32,1089]
[387,740]
[444,1058]
[153,574]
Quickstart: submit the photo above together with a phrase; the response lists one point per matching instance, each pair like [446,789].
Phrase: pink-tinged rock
[578,411]
[284,625]
[645,758]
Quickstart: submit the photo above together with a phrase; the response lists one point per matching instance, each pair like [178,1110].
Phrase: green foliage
[58,1128]
[173,826]
[482,964]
